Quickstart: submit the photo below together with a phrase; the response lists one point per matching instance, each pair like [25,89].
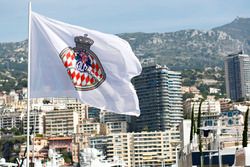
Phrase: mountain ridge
[238,28]
[185,48]
[179,50]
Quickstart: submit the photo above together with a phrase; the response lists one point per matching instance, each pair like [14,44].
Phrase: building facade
[185,129]
[209,108]
[36,121]
[91,128]
[144,148]
[99,142]
[160,98]
[237,75]
[113,117]
[94,113]
[62,122]
[10,119]
[117,127]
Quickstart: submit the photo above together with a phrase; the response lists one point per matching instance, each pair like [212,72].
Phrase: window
[230,122]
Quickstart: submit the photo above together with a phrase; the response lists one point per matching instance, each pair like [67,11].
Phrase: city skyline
[121,17]
[172,116]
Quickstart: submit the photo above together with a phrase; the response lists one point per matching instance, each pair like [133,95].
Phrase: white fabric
[49,78]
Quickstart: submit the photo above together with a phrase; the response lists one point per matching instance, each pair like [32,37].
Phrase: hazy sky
[119,16]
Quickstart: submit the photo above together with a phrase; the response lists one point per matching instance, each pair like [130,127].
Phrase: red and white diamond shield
[83,67]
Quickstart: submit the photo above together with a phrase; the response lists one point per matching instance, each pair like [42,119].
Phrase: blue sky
[120,16]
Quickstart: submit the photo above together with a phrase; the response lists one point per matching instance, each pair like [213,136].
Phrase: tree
[187,96]
[192,125]
[16,131]
[145,128]
[67,156]
[204,89]
[39,135]
[188,82]
[240,99]
[199,118]
[3,130]
[7,150]
[46,101]
[199,133]
[244,135]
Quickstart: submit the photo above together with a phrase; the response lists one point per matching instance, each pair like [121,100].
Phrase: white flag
[72,61]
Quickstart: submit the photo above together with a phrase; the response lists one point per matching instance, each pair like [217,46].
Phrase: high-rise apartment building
[116,123]
[94,113]
[144,148]
[160,98]
[113,117]
[209,107]
[10,119]
[237,75]
[62,122]
[36,121]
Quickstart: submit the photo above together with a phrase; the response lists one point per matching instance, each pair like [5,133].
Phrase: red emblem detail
[83,66]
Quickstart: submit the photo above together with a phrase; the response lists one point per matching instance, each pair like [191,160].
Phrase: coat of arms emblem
[83,66]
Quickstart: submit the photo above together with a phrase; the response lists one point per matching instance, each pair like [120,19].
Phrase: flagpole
[28,100]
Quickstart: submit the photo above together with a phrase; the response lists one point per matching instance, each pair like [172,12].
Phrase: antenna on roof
[242,47]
